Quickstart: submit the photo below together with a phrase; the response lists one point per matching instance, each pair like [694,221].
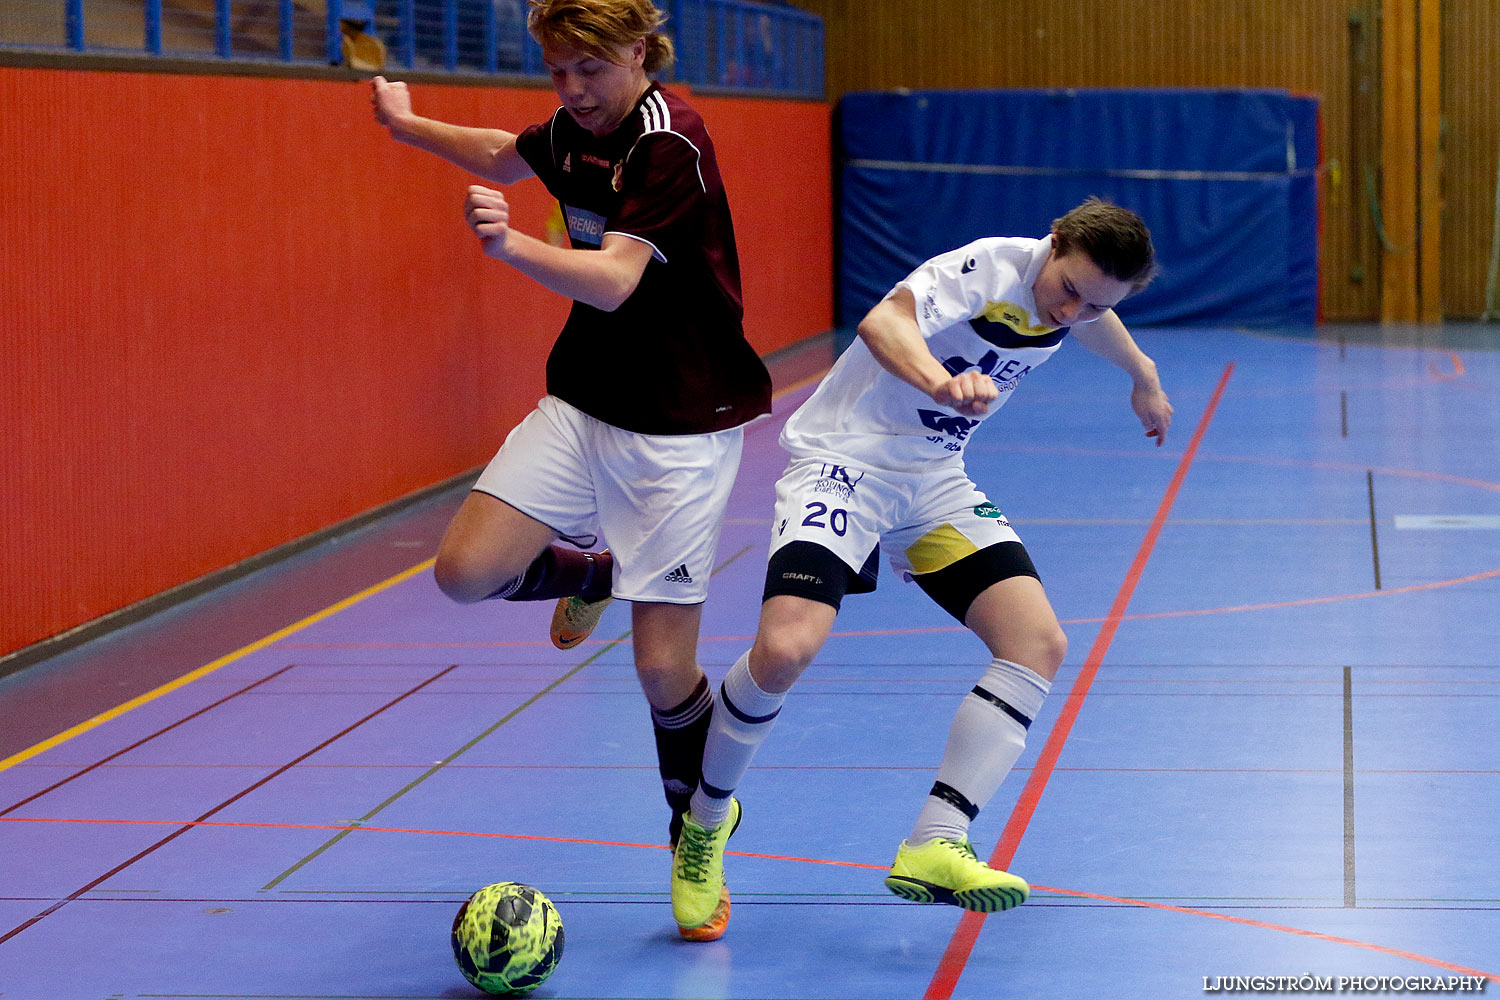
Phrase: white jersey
[976,310]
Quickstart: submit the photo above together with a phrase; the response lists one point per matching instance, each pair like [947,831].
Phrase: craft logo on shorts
[988,509]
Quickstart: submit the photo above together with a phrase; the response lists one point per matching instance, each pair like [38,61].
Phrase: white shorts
[656,501]
[927,521]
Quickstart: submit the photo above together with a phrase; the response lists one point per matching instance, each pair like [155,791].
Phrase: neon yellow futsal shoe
[947,871]
[574,619]
[700,899]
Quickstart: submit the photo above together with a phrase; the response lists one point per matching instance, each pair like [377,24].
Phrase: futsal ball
[507,939]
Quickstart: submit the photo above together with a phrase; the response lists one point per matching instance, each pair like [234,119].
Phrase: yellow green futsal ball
[507,939]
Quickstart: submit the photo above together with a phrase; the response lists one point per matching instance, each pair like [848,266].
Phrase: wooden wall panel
[1306,46]
[1471,113]
[1399,119]
[1430,167]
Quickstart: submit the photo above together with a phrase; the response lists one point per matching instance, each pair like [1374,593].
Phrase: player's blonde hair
[598,27]
[1115,239]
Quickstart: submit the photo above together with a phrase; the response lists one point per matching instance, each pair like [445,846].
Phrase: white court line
[1426,522]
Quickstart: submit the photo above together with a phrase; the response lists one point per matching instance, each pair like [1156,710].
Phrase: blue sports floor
[1272,751]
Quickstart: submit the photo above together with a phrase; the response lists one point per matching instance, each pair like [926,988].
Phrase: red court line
[956,956]
[1299,602]
[1442,376]
[1120,900]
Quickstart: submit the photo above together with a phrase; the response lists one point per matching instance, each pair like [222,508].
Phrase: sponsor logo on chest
[585,226]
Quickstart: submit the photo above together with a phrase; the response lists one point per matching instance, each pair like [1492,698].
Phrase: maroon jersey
[673,358]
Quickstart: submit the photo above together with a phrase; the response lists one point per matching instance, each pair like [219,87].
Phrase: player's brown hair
[598,27]
[1115,238]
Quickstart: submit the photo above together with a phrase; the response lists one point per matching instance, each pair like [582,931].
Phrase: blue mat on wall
[1226,179]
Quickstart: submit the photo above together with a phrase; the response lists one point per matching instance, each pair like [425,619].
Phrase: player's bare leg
[488,544]
[1017,623]
[492,550]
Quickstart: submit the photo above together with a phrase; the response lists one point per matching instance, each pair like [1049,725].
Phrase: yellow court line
[209,668]
[259,644]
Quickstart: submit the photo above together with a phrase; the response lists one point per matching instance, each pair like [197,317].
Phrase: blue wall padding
[1225,179]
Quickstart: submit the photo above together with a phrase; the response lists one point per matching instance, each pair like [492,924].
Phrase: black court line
[1343,414]
[1374,531]
[1349,895]
[218,808]
[141,742]
[450,758]
[435,768]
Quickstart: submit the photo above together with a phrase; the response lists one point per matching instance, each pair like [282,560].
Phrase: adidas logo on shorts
[679,575]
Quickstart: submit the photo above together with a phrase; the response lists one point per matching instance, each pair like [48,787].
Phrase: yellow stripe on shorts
[939,549]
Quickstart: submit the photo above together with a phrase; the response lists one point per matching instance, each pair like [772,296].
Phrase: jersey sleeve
[952,287]
[661,187]
[534,144]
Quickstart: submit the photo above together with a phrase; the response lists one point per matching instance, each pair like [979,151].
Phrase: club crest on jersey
[617,180]
[838,480]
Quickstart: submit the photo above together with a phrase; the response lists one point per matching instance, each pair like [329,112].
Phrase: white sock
[986,738]
[743,717]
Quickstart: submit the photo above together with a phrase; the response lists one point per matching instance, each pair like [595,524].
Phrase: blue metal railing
[737,44]
[751,46]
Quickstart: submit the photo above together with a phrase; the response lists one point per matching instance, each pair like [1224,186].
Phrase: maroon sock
[562,572]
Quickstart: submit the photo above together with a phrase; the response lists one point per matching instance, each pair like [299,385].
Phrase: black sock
[681,732]
[561,572]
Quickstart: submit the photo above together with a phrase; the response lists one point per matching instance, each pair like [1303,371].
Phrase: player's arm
[485,152]
[891,333]
[602,278]
[1108,338]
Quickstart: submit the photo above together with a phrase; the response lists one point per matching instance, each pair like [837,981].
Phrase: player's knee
[1052,649]
[779,658]
[460,578]
[1041,649]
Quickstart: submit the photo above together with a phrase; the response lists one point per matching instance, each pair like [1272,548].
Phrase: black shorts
[807,570]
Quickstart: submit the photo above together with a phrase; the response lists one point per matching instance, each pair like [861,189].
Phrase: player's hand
[391,101]
[970,393]
[1154,410]
[488,215]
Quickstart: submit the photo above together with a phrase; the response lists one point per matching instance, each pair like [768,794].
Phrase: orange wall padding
[234,312]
